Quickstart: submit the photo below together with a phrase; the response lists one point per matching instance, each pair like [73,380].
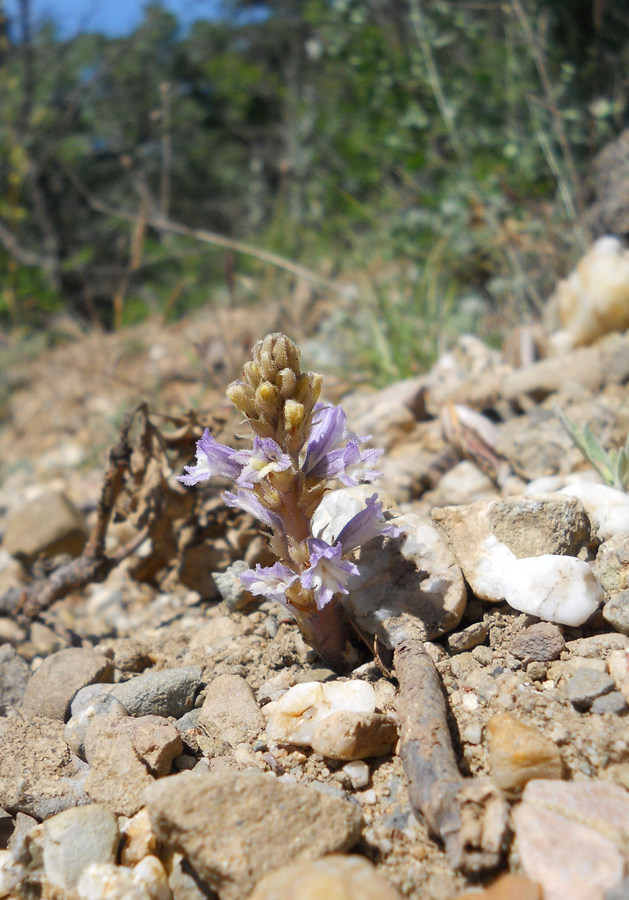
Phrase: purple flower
[334,452]
[265,457]
[272,581]
[368,523]
[328,573]
[248,501]
[212,459]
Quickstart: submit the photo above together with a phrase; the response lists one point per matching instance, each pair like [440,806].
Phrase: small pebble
[616,612]
[614,703]
[52,688]
[76,838]
[335,877]
[170,692]
[473,733]
[352,735]
[468,638]
[542,642]
[483,655]
[519,753]
[292,719]
[358,773]
[586,685]
[506,887]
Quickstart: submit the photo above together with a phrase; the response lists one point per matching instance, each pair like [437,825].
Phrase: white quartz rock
[292,718]
[607,507]
[560,589]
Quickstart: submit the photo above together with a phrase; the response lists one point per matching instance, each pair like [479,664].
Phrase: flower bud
[287,382]
[293,416]
[267,400]
[251,371]
[242,396]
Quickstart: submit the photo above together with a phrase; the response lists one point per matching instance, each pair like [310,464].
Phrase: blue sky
[114,17]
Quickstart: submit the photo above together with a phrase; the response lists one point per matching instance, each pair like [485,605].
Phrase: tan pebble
[507,887]
[351,735]
[619,670]
[139,839]
[333,878]
[519,753]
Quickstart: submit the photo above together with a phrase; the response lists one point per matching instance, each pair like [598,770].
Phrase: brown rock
[230,710]
[49,525]
[519,753]
[542,642]
[156,741]
[507,887]
[117,778]
[235,827]
[333,878]
[351,735]
[53,686]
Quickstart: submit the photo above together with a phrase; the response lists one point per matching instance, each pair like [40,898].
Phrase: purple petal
[365,525]
[247,501]
[327,432]
[212,459]
[265,457]
[272,581]
[328,573]
[358,464]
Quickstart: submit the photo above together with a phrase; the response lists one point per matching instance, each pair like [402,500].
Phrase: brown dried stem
[467,814]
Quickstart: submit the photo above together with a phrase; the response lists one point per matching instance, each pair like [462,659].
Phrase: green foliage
[611,465]
[435,138]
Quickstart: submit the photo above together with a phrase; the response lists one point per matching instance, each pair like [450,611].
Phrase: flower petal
[328,573]
[212,459]
[248,501]
[265,457]
[271,581]
[365,525]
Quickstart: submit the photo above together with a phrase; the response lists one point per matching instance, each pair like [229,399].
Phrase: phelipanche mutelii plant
[301,448]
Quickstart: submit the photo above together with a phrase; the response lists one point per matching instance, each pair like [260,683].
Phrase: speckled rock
[230,710]
[170,692]
[14,675]
[350,735]
[519,753]
[542,642]
[38,774]
[76,838]
[49,524]
[263,824]
[53,686]
[332,878]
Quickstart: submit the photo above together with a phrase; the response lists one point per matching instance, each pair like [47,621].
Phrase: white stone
[607,507]
[105,881]
[292,718]
[559,589]
[11,873]
[358,773]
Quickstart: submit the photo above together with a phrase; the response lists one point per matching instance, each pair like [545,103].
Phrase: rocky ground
[165,735]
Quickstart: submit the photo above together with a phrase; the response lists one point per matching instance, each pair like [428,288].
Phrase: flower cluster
[301,447]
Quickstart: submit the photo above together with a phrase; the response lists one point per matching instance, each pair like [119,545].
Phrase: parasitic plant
[301,448]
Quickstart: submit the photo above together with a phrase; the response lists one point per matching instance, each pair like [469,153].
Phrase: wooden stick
[467,814]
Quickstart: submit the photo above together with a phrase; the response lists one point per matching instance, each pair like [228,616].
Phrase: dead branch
[467,814]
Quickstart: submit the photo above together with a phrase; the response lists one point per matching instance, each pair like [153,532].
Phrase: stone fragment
[542,642]
[612,565]
[616,612]
[230,710]
[569,835]
[76,838]
[38,774]
[233,592]
[350,735]
[53,686]
[469,637]
[407,586]
[156,741]
[607,507]
[293,718]
[597,646]
[519,753]
[613,703]
[170,692]
[50,524]
[333,878]
[105,881]
[138,839]
[506,887]
[14,675]
[586,685]
[235,827]
[549,524]
[556,588]
[128,653]
[358,773]
[89,704]
[117,778]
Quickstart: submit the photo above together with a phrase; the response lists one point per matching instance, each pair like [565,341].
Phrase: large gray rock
[235,827]
[171,692]
[76,838]
[49,524]
[53,686]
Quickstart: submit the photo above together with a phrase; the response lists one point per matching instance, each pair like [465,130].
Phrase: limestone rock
[53,686]
[38,774]
[350,735]
[293,718]
[76,838]
[230,710]
[519,753]
[335,876]
[49,524]
[235,827]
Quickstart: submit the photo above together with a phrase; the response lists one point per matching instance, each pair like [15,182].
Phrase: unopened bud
[251,371]
[242,396]
[267,400]
[293,416]
[287,382]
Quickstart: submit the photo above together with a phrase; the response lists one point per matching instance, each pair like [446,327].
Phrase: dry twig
[467,814]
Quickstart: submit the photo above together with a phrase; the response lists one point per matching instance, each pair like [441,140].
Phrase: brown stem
[325,631]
